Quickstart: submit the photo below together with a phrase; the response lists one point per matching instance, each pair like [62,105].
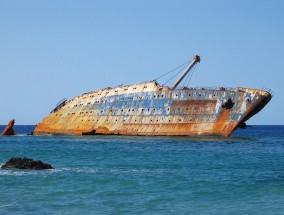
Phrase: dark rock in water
[9,130]
[25,163]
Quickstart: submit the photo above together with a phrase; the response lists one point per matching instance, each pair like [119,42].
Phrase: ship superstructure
[150,109]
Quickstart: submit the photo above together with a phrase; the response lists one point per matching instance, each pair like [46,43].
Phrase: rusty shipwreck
[150,109]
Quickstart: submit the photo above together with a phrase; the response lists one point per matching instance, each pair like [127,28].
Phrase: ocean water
[243,174]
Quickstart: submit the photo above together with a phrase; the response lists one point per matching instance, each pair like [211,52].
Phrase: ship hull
[150,109]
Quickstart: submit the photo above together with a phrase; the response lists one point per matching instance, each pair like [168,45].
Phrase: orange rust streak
[221,121]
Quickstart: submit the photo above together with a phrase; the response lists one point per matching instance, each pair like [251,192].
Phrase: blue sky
[51,50]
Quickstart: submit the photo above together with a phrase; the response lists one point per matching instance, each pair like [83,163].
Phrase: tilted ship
[150,109]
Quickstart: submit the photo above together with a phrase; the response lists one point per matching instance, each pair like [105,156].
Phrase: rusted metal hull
[150,109]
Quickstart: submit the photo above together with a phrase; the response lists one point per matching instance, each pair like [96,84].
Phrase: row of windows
[143,110]
[133,98]
[156,120]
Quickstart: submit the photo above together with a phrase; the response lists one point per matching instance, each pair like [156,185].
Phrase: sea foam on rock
[25,163]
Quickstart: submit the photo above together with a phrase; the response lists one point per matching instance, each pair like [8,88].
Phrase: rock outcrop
[25,163]
[9,130]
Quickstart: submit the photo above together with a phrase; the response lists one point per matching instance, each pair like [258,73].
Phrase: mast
[195,59]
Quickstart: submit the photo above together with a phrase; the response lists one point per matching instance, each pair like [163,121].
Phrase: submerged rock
[9,130]
[25,163]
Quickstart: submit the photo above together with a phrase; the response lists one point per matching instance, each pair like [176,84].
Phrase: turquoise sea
[243,174]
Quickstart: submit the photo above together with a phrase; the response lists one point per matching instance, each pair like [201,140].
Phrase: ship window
[162,95]
[169,120]
[158,96]
[168,108]
[154,96]
[178,108]
[121,110]
[199,94]
[148,109]
[145,86]
[128,110]
[248,100]
[176,95]
[132,109]
[189,95]
[142,110]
